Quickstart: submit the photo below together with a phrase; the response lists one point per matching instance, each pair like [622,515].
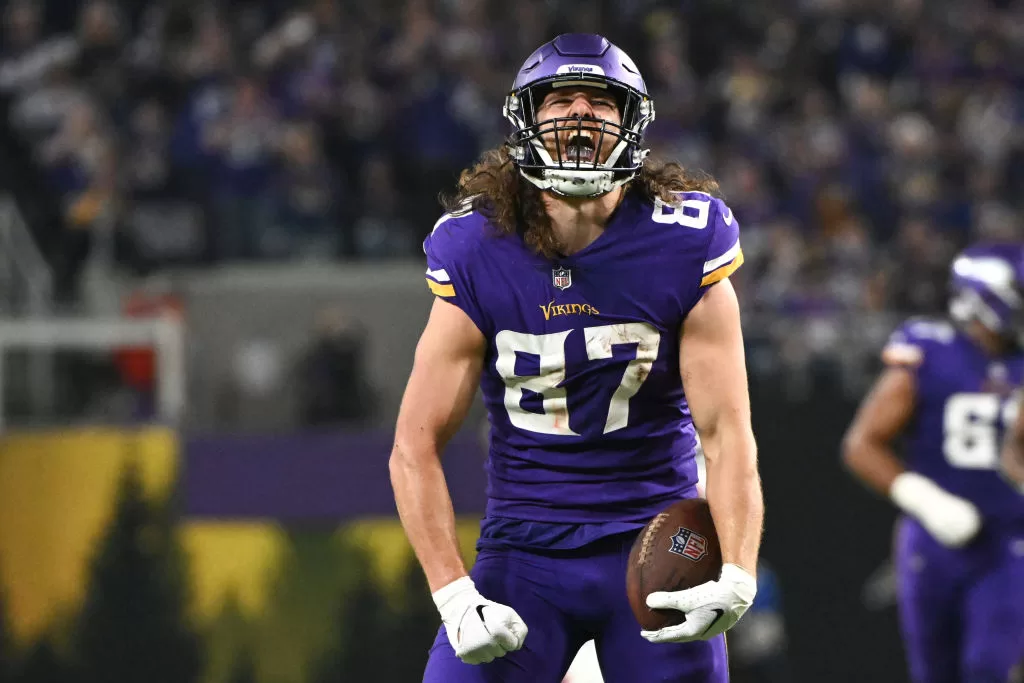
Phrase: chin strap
[589,183]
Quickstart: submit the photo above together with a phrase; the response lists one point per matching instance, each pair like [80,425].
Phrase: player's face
[566,141]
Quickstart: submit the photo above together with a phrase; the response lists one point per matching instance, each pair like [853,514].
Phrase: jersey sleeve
[920,345]
[724,254]
[449,250]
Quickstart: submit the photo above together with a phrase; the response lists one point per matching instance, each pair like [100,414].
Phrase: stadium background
[258,175]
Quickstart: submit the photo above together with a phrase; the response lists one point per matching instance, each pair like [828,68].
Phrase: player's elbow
[403,457]
[398,463]
[730,450]
[402,468]
[856,450]
[409,454]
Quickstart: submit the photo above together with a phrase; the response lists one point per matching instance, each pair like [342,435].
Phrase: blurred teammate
[947,392]
[583,288]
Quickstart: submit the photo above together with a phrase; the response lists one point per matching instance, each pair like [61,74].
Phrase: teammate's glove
[478,629]
[951,520]
[711,608]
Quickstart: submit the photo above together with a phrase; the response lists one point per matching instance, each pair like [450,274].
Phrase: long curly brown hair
[495,188]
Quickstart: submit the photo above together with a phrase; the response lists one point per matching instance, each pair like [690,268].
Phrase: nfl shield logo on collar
[561,278]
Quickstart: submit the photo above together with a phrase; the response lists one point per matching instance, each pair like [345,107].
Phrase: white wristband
[743,582]
[913,492]
[444,594]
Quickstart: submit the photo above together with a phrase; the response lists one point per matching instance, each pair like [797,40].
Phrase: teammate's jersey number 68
[971,426]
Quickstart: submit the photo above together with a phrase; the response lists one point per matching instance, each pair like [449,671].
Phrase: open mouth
[580,148]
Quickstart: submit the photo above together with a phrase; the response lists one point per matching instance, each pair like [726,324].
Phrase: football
[678,549]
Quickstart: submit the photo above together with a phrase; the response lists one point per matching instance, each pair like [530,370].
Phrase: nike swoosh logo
[719,613]
[727,216]
[479,613]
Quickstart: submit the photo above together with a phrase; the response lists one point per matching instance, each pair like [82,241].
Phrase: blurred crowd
[860,142]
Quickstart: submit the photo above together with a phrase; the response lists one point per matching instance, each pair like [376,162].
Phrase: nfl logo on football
[690,545]
[561,278]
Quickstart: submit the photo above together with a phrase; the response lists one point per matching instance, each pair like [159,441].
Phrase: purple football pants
[961,611]
[566,599]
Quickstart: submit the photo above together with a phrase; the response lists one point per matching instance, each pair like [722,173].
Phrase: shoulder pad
[909,343]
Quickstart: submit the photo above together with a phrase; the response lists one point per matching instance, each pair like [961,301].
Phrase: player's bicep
[445,374]
[887,409]
[711,362]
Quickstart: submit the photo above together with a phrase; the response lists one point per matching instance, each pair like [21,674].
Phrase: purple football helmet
[987,285]
[578,59]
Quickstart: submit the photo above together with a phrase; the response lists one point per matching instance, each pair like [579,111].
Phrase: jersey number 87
[550,349]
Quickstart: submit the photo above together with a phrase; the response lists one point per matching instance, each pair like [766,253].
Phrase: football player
[584,288]
[947,392]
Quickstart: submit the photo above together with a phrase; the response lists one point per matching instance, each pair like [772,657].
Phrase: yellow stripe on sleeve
[439,289]
[723,272]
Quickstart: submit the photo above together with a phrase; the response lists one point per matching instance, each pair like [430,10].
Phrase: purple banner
[323,476]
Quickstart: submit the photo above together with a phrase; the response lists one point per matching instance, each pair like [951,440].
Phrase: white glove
[951,520]
[478,629]
[711,608]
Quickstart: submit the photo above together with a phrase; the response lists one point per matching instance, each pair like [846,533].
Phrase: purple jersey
[964,404]
[581,379]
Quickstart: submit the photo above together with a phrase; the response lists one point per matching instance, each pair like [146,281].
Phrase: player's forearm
[872,461]
[425,509]
[734,495]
